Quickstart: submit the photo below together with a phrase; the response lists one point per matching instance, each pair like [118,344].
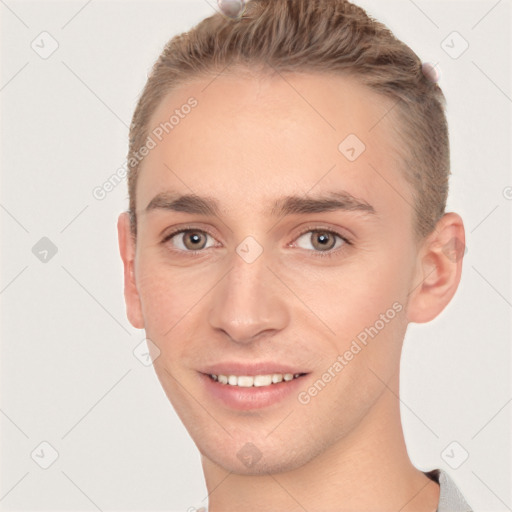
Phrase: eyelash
[322,254]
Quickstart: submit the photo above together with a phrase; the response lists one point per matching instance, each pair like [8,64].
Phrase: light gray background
[69,376]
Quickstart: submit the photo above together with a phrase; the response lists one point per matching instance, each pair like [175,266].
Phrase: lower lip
[236,397]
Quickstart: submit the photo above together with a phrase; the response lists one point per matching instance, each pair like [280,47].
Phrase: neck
[367,470]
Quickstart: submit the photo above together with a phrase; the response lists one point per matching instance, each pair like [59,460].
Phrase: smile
[266,386]
[248,381]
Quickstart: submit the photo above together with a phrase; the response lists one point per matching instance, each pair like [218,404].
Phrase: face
[299,265]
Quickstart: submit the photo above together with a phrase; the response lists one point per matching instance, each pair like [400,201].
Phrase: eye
[323,241]
[188,239]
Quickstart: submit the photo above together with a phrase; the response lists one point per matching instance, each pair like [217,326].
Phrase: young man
[288,181]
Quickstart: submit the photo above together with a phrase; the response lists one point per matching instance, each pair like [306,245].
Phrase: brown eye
[188,240]
[194,240]
[321,240]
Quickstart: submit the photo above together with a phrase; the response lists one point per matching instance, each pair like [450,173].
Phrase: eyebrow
[288,205]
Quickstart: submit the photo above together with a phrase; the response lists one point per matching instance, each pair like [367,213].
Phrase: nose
[249,302]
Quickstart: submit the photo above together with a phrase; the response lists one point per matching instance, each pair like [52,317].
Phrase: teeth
[246,381]
[243,381]
[262,380]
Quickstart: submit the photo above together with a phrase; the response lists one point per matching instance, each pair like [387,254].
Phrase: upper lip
[259,368]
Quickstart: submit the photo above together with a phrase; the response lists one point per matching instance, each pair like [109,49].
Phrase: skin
[251,140]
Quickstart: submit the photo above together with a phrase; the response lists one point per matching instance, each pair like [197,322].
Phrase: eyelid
[182,229]
[319,228]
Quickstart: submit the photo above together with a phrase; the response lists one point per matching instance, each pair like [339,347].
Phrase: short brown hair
[333,36]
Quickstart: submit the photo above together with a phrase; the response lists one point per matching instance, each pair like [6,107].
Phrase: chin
[258,457]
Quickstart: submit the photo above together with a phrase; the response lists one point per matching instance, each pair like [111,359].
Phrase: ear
[439,269]
[127,250]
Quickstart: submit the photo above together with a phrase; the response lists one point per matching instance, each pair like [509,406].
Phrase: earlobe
[439,269]
[127,251]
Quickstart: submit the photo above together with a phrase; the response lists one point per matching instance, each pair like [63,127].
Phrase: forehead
[257,137]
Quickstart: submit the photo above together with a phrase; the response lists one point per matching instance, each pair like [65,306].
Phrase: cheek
[351,297]
[173,302]
[163,301]
[363,304]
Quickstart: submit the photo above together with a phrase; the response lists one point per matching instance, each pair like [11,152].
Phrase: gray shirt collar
[450,498]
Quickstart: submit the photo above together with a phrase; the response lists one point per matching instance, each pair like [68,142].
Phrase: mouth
[249,381]
[247,387]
